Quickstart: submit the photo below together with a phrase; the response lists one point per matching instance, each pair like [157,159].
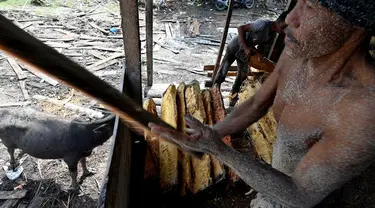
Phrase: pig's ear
[100,128]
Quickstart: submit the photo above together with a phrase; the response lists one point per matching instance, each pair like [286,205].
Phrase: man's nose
[293,17]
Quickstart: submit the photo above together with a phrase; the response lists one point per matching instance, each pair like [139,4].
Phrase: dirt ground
[81,30]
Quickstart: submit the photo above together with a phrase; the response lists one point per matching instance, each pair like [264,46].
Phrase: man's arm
[242,36]
[256,107]
[340,155]
[342,152]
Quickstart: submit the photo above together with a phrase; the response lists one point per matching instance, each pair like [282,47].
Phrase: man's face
[314,31]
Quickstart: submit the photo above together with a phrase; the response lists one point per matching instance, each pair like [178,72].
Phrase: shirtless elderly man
[322,93]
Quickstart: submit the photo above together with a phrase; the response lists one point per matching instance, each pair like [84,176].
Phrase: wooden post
[273,45]
[149,41]
[290,4]
[125,175]
[278,43]
[223,40]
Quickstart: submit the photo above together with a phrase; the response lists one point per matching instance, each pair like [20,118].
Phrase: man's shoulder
[356,107]
[259,23]
[351,120]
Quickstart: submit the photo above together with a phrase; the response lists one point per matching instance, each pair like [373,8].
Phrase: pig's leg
[73,174]
[72,163]
[21,154]
[241,76]
[12,162]
[86,171]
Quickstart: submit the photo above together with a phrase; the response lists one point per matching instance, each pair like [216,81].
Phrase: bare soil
[66,26]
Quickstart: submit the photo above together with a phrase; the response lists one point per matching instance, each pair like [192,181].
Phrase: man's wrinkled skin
[323,94]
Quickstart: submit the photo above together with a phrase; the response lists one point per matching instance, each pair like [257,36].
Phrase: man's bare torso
[306,109]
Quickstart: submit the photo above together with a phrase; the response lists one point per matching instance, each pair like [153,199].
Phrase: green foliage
[13,3]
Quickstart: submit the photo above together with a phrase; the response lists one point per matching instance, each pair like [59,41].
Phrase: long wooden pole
[125,181]
[149,41]
[223,39]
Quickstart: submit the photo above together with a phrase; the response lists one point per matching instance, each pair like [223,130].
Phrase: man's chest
[302,111]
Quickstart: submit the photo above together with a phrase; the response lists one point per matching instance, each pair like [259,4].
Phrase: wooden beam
[12,194]
[125,176]
[290,4]
[223,39]
[132,47]
[273,46]
[233,74]
[229,74]
[149,41]
[212,67]
[278,43]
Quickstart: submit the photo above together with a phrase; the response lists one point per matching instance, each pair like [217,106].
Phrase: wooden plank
[219,115]
[167,150]
[24,91]
[184,159]
[44,77]
[229,74]
[23,205]
[273,45]
[125,176]
[12,194]
[278,43]
[152,155]
[37,202]
[168,30]
[26,25]
[218,171]
[16,68]
[97,48]
[66,32]
[68,39]
[114,56]
[211,68]
[98,28]
[167,48]
[127,147]
[105,65]
[96,54]
[223,39]
[149,41]
[13,104]
[233,74]
[201,167]
[71,106]
[10,203]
